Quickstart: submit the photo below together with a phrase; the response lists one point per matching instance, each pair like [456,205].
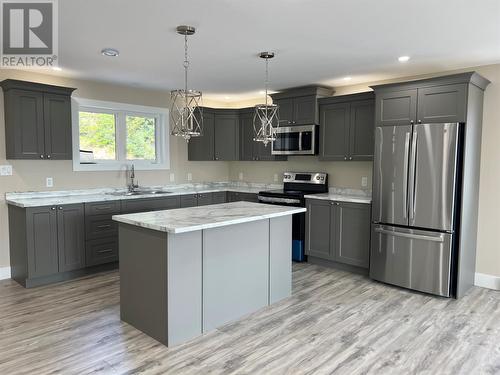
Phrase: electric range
[295,186]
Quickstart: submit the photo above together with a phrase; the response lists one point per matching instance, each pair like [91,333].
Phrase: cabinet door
[285,109]
[226,137]
[71,237]
[304,110]
[362,130]
[189,200]
[352,233]
[57,122]
[149,204]
[101,251]
[442,104]
[219,197]
[334,131]
[202,148]
[319,225]
[396,108]
[204,199]
[24,125]
[246,137]
[41,226]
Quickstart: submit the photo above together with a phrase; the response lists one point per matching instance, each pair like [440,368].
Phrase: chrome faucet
[132,185]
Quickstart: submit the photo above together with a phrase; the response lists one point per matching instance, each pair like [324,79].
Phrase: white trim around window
[121,110]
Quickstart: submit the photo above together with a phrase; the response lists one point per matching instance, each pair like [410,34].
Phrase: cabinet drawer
[219,197]
[102,208]
[204,199]
[189,200]
[154,204]
[98,226]
[104,250]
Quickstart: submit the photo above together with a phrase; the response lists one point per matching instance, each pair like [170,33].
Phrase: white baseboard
[4,273]
[487,281]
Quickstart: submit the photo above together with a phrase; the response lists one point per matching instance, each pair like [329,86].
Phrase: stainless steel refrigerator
[416,184]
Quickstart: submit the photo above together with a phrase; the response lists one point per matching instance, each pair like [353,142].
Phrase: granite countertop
[49,198]
[190,219]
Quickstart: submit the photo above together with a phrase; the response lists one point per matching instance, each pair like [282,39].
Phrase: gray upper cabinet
[37,120]
[299,106]
[202,148]
[71,237]
[440,104]
[338,231]
[334,131]
[434,100]
[396,108]
[226,135]
[347,127]
[57,116]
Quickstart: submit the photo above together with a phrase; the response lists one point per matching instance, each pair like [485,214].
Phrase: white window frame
[121,110]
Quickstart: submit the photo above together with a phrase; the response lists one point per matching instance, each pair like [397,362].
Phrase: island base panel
[280,258]
[235,272]
[143,280]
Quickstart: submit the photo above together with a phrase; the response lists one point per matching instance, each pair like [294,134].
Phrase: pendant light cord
[186,63]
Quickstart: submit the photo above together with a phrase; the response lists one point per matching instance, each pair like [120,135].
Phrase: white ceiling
[316,41]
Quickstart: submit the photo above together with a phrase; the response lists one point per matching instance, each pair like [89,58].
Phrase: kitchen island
[187,271]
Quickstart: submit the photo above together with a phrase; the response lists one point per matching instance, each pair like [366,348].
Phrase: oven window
[286,142]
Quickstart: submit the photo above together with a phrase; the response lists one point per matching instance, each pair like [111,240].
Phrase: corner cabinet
[220,137]
[338,231]
[347,127]
[37,120]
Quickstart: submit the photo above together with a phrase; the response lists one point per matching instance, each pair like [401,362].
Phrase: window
[110,136]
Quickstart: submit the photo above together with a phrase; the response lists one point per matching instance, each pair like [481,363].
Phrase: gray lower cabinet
[204,199]
[46,242]
[37,120]
[189,200]
[347,127]
[219,197]
[149,204]
[338,231]
[102,251]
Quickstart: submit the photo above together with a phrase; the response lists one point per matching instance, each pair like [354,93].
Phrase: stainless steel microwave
[296,140]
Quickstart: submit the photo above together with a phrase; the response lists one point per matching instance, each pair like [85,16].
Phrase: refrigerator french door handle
[439,238]
[413,164]
[405,175]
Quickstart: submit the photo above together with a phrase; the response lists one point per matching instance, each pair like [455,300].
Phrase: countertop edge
[340,198]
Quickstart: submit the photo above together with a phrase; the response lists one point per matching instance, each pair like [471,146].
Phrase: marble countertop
[344,195]
[190,219]
[49,198]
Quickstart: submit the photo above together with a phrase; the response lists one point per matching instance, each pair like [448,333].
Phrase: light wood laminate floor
[335,322]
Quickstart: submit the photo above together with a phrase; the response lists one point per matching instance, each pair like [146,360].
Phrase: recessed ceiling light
[347,78]
[56,68]
[403,58]
[111,52]
[227,97]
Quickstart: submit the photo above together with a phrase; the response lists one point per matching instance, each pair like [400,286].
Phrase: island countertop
[190,219]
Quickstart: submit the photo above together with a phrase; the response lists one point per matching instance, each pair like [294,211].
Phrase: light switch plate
[240,176]
[364,181]
[5,170]
[49,182]
[172,177]
[190,176]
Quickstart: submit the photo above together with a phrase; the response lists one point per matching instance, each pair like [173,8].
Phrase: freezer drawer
[413,259]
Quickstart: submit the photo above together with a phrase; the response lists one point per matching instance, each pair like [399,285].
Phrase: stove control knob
[318,178]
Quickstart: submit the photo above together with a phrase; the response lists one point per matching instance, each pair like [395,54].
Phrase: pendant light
[186,105]
[266,116]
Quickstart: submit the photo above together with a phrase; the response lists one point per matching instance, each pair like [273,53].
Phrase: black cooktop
[283,193]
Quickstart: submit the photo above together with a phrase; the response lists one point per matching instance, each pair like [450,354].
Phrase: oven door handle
[279,200]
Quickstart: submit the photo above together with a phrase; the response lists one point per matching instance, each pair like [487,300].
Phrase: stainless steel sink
[139,192]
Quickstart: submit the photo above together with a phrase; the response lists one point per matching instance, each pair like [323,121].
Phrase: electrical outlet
[172,177]
[49,182]
[240,176]
[5,170]
[364,181]
[275,177]
[190,176]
